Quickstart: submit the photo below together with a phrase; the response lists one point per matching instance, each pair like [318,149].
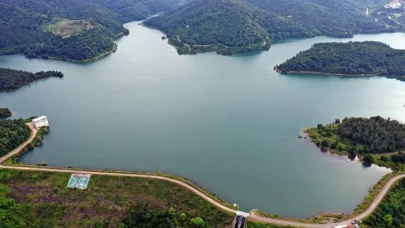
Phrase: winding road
[252,216]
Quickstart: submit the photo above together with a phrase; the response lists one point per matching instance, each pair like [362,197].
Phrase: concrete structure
[240,219]
[395,4]
[40,122]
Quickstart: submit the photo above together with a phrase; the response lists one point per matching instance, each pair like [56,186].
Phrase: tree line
[373,58]
[376,134]
[12,134]
[14,79]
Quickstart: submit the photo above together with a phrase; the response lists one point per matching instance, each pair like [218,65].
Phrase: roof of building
[243,214]
[39,118]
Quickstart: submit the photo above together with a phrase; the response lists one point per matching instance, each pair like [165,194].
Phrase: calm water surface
[228,123]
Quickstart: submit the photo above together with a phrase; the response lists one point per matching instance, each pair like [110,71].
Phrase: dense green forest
[237,26]
[132,10]
[12,134]
[13,79]
[361,135]
[23,25]
[352,58]
[391,211]
[5,112]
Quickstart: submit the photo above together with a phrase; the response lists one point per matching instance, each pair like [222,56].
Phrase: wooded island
[11,80]
[352,59]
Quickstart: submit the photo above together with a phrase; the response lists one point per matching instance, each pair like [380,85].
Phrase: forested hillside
[24,25]
[237,26]
[12,134]
[132,10]
[391,211]
[352,58]
[13,79]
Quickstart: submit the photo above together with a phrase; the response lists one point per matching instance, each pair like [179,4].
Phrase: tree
[333,146]
[388,219]
[368,159]
[337,121]
[197,222]
[325,143]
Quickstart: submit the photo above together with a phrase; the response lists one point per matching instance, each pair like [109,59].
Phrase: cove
[228,123]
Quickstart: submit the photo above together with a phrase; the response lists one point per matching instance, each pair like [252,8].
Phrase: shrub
[197,222]
[368,159]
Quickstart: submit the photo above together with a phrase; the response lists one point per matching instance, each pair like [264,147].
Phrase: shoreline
[324,73]
[114,49]
[364,209]
[308,138]
[193,49]
[14,90]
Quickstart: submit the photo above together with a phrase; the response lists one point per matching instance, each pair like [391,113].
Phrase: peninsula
[375,140]
[374,135]
[5,112]
[238,26]
[71,30]
[350,59]
[11,80]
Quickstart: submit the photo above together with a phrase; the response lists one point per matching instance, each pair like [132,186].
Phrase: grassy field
[43,198]
[328,134]
[65,27]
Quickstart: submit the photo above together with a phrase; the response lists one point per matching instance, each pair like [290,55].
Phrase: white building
[395,4]
[40,122]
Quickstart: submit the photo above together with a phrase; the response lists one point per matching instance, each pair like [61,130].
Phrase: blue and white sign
[79,181]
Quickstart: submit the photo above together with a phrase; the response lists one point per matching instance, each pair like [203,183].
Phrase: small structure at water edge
[240,219]
[40,122]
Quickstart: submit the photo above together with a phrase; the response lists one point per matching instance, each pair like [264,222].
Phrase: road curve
[18,149]
[253,216]
[359,217]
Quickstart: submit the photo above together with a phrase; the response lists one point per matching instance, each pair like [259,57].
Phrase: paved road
[253,216]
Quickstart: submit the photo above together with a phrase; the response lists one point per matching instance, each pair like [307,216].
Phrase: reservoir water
[230,124]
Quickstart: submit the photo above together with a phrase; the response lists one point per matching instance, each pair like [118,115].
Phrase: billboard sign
[79,181]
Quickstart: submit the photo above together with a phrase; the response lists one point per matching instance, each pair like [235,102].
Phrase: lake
[230,124]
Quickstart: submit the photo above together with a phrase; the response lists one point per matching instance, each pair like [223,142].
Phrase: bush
[197,222]
[183,216]
[368,159]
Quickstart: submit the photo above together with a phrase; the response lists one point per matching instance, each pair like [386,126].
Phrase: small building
[40,122]
[395,4]
[240,219]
